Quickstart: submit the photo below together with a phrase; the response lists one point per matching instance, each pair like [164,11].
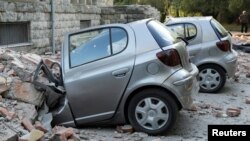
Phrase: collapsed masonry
[24,113]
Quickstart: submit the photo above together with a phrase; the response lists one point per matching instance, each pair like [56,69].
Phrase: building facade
[39,25]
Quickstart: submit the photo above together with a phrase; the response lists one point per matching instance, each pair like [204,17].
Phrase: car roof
[138,22]
[188,19]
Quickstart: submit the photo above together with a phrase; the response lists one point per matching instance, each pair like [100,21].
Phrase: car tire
[153,111]
[211,78]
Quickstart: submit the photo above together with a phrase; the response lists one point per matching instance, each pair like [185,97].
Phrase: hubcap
[209,79]
[151,113]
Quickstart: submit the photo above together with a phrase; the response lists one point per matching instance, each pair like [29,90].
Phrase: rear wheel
[152,111]
[211,78]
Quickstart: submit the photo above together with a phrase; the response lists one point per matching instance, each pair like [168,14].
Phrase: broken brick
[233,112]
[247,100]
[27,124]
[125,129]
[38,125]
[64,133]
[6,113]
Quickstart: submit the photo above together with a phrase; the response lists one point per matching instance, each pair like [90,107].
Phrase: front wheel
[152,111]
[211,78]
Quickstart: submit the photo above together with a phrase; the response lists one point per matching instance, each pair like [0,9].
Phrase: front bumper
[184,85]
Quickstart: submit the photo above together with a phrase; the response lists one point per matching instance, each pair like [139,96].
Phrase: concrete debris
[220,114]
[6,134]
[25,92]
[193,108]
[20,101]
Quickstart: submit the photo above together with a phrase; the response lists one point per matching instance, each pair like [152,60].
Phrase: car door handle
[121,72]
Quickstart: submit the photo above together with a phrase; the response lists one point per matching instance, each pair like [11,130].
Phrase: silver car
[137,73]
[210,48]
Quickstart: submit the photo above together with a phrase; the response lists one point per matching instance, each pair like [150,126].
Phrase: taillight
[224,45]
[169,57]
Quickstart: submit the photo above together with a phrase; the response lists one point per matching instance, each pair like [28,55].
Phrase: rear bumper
[231,63]
[184,85]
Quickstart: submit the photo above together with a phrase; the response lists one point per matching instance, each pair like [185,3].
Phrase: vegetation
[226,11]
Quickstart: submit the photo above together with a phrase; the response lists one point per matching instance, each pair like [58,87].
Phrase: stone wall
[129,13]
[38,14]
[68,17]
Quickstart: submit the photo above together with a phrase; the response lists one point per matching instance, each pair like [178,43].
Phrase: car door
[97,69]
[192,33]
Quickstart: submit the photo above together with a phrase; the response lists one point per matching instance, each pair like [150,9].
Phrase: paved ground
[191,125]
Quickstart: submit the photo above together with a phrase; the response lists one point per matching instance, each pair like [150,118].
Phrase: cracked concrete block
[6,134]
[26,110]
[33,58]
[25,92]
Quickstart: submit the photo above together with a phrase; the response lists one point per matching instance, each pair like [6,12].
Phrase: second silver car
[210,48]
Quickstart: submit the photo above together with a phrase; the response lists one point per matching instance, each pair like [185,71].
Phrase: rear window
[219,29]
[162,34]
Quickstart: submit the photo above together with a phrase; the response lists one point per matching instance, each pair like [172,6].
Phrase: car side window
[119,40]
[187,31]
[178,29]
[190,31]
[89,46]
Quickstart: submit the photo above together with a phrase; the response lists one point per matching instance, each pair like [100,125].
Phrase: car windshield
[162,34]
[219,28]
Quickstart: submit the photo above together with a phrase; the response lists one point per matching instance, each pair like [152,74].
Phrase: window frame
[110,44]
[185,29]
[28,32]
[215,28]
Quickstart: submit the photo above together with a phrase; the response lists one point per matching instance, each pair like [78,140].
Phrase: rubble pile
[242,74]
[24,115]
[241,38]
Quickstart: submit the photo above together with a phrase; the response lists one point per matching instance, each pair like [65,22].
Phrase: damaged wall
[129,13]
[31,20]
